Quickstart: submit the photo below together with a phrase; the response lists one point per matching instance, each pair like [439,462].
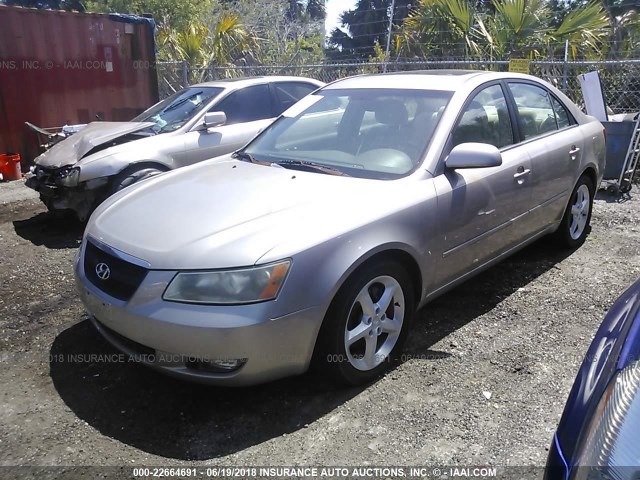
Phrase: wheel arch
[158,165]
[590,172]
[389,252]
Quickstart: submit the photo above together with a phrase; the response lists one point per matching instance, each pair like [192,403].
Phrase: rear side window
[247,105]
[288,93]
[562,116]
[535,111]
[485,120]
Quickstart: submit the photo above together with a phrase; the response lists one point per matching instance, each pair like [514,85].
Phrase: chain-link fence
[620,79]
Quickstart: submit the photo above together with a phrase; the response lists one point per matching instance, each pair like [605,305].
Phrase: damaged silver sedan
[194,124]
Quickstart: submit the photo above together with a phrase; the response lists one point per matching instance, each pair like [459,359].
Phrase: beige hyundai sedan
[316,243]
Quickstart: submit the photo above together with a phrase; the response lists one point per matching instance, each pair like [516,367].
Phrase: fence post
[185,74]
[386,52]
[565,70]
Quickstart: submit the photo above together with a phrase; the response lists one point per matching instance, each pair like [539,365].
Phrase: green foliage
[516,29]
[364,27]
[68,5]
[289,31]
[227,43]
[173,14]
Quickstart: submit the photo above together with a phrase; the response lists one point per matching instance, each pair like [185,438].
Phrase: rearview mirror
[473,155]
[214,119]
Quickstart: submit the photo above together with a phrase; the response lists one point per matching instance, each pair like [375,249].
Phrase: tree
[517,28]
[289,31]
[623,16]
[440,28]
[169,14]
[313,9]
[227,43]
[365,27]
[68,5]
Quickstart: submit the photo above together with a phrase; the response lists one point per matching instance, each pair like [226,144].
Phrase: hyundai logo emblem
[103,271]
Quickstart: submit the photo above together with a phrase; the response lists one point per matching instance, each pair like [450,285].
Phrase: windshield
[173,112]
[371,133]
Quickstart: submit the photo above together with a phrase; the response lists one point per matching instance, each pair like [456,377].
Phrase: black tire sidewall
[330,353]
[564,234]
[130,176]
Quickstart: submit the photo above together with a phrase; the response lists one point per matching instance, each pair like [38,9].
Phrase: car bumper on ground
[183,339]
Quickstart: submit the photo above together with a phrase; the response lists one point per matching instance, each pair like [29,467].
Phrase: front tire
[367,324]
[576,221]
[132,175]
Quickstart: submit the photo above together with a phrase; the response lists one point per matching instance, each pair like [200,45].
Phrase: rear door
[555,145]
[483,211]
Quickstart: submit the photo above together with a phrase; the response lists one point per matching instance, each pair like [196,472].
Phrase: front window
[173,112]
[371,133]
[485,120]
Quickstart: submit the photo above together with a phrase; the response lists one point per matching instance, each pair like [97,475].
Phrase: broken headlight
[246,285]
[68,177]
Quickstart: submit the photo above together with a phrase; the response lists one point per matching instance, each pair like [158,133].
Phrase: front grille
[123,277]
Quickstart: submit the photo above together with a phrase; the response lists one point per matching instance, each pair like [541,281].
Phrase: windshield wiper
[247,157]
[314,166]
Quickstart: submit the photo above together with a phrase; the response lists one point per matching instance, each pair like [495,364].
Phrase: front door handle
[521,173]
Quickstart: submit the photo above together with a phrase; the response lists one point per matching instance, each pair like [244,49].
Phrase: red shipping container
[64,68]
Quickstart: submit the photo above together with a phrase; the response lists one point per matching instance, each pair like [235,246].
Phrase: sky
[334,8]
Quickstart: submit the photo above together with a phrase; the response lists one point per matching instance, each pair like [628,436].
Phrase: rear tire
[576,221]
[366,326]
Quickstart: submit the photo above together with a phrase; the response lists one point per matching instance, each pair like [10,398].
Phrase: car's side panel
[482,212]
[556,160]
[203,144]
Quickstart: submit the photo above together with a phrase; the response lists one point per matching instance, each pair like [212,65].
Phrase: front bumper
[80,199]
[163,335]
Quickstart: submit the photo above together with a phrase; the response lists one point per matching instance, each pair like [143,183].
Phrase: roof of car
[246,81]
[448,80]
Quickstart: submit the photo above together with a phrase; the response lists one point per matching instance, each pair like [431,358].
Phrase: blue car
[599,433]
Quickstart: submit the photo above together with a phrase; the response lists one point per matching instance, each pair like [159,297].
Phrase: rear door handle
[521,174]
[573,152]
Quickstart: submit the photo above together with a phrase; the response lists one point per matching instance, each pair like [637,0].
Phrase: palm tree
[226,44]
[442,28]
[510,28]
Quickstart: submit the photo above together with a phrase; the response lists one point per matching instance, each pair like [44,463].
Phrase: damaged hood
[72,149]
[229,214]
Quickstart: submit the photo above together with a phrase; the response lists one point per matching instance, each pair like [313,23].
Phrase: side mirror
[214,119]
[473,155]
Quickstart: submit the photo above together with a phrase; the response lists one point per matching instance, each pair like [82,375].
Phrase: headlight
[610,445]
[68,177]
[246,285]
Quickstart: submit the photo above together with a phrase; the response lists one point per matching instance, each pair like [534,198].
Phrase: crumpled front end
[60,189]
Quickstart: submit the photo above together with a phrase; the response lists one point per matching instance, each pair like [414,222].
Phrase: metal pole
[386,52]
[185,74]
[565,71]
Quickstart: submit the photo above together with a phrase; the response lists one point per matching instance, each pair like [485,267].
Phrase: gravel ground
[488,367]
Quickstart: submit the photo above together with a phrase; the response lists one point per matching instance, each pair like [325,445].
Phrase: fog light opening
[218,365]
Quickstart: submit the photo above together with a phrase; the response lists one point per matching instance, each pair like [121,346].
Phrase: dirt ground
[488,367]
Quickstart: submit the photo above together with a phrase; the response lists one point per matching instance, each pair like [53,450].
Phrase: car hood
[229,214]
[72,149]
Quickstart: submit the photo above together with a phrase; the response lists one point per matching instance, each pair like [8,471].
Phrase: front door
[483,211]
[249,110]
